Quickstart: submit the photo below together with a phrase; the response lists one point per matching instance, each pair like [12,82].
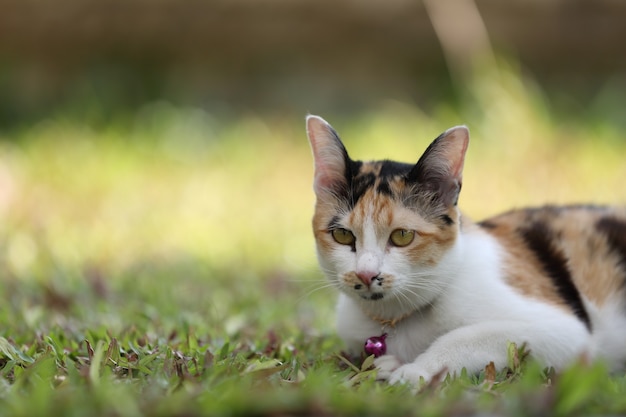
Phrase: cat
[432,292]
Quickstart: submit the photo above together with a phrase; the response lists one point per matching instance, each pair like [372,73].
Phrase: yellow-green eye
[402,237]
[343,236]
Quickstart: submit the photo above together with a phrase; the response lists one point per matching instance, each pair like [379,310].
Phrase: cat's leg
[552,342]
[385,365]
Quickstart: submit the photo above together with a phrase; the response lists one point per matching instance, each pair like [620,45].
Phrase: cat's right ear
[440,169]
[331,157]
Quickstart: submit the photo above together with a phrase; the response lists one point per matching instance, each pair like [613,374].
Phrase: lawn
[165,266]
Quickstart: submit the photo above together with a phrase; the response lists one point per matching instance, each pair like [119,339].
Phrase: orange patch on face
[430,247]
[379,208]
[324,213]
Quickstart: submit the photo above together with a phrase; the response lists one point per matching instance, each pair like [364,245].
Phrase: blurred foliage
[100,60]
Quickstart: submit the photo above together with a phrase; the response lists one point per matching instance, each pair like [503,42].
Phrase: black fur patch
[390,169]
[614,230]
[539,239]
[359,185]
[384,188]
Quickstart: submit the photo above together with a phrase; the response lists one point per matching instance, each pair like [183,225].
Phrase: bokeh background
[153,154]
[95,60]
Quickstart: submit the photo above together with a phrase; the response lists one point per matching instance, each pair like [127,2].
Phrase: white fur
[474,314]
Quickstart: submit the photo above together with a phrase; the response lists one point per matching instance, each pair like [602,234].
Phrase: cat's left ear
[331,158]
[440,169]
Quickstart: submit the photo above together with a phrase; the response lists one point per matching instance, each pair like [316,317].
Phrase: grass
[167,267]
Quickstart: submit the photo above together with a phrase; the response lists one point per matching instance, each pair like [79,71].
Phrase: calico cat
[428,291]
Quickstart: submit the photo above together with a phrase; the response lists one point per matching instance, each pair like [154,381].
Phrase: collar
[391,322]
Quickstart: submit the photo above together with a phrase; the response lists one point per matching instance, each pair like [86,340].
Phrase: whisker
[315,288]
[404,299]
[420,298]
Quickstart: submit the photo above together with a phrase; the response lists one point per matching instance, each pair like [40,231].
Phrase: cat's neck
[386,322]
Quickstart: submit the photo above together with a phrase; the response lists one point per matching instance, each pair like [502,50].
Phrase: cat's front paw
[385,365]
[411,373]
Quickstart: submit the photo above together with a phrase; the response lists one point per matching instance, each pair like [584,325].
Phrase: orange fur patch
[593,265]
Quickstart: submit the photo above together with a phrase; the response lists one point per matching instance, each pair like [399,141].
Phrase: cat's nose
[367,276]
[367,267]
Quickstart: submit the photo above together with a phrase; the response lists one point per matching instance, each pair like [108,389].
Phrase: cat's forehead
[383,177]
[384,169]
[382,211]
[378,193]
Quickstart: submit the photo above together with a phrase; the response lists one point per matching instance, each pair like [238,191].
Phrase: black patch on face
[390,169]
[614,230]
[360,184]
[376,296]
[539,238]
[352,170]
[383,188]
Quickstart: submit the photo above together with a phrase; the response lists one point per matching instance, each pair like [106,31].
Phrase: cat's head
[386,231]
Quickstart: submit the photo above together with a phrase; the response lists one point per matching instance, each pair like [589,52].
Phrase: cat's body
[451,294]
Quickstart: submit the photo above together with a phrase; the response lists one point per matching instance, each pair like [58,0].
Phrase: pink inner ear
[323,180]
[327,152]
[329,168]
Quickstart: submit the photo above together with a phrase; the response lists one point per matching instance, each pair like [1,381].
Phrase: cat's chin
[386,309]
[390,305]
[372,297]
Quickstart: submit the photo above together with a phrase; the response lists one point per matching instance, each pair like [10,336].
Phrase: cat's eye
[343,236]
[402,237]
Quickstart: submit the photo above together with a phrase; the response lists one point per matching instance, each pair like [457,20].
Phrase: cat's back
[564,254]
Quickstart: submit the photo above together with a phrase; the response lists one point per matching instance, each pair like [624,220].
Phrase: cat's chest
[412,337]
[405,340]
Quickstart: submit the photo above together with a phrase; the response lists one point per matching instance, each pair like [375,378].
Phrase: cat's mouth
[370,291]
[374,297]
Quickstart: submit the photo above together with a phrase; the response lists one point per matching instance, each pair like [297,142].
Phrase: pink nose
[367,276]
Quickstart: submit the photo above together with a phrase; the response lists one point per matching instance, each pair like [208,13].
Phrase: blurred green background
[161,143]
[99,60]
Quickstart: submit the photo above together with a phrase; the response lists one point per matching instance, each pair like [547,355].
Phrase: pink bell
[376,345]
